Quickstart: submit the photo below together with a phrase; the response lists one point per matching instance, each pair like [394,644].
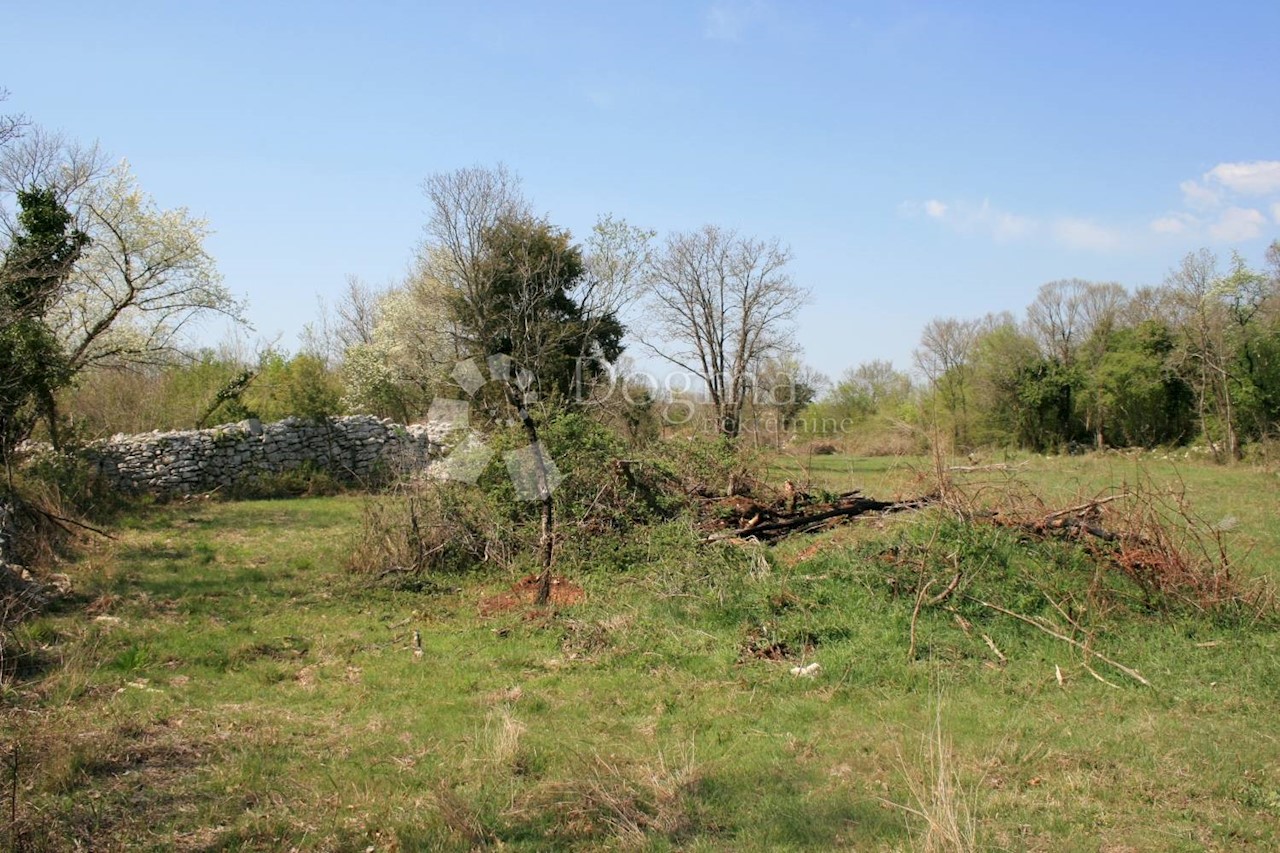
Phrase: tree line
[1196,357]
[98,286]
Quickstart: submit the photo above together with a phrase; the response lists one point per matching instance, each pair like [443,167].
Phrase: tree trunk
[546,539]
[49,404]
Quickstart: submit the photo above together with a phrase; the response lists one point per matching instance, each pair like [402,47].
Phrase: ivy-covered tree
[509,284]
[33,362]
[532,271]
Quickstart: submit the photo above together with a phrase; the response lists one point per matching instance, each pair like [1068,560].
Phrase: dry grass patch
[619,801]
[943,812]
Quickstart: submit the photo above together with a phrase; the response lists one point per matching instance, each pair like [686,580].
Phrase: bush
[427,526]
[424,525]
[709,466]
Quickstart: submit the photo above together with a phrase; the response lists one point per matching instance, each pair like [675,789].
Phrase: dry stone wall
[356,448]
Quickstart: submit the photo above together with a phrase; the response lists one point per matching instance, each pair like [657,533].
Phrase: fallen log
[846,507]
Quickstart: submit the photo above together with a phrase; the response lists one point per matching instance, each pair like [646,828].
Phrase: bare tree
[720,303]
[11,125]
[465,206]
[359,312]
[1149,302]
[1196,295]
[48,160]
[945,357]
[1054,318]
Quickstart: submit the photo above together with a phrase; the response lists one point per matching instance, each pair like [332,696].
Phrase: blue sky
[921,160]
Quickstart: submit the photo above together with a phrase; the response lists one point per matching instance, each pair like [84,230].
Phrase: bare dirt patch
[524,593]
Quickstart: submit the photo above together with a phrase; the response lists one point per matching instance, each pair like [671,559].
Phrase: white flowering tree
[143,279]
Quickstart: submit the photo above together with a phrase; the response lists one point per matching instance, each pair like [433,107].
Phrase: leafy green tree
[1143,401]
[33,363]
[1253,308]
[1046,415]
[1002,360]
[525,308]
[297,386]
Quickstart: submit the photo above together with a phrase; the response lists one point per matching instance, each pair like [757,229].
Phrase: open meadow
[219,680]
[725,426]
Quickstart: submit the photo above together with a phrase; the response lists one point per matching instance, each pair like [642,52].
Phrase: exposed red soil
[524,593]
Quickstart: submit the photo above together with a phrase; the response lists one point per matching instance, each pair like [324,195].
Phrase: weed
[132,659]
[944,811]
[308,480]
[204,552]
[426,526]
[622,800]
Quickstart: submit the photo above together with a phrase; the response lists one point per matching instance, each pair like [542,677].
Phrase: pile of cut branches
[791,511]
[1154,538]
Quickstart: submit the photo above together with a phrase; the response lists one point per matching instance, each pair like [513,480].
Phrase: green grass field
[219,681]
[1249,498]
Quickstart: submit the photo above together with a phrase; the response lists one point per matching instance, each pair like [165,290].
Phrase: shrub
[427,526]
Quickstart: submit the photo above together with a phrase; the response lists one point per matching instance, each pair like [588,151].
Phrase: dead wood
[1087,507]
[845,506]
[1073,520]
[946,593]
[1132,673]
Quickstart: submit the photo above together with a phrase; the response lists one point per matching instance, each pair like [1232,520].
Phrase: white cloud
[966,218]
[728,20]
[1216,200]
[1174,223]
[1214,209]
[1237,224]
[1007,226]
[1261,177]
[1199,195]
[1085,234]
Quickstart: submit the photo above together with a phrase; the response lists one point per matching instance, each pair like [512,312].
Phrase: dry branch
[1132,673]
[846,506]
[1088,506]
[946,593]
